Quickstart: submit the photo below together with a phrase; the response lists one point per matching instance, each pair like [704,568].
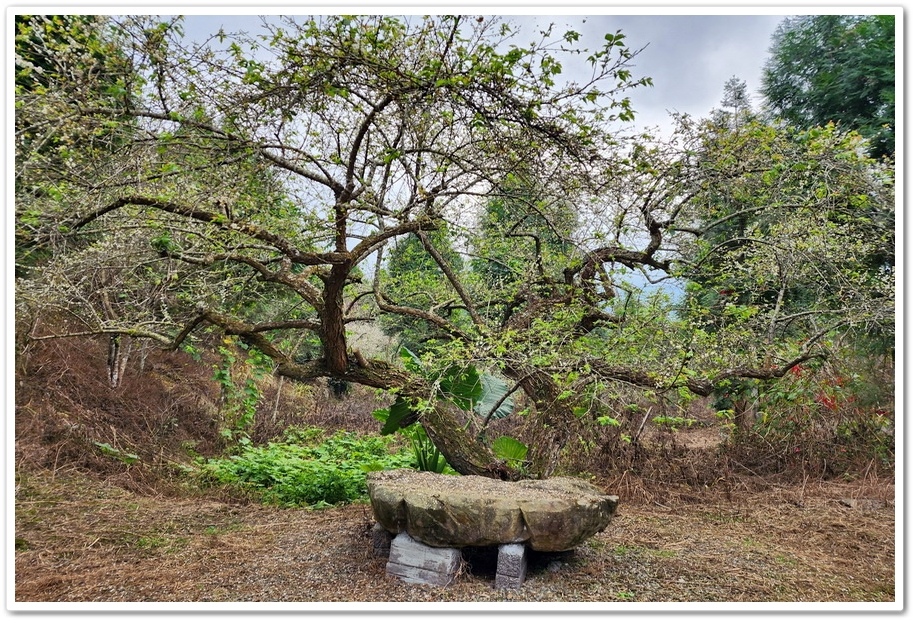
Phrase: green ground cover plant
[302,471]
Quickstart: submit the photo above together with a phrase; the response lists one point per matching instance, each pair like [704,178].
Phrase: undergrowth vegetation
[305,470]
[306,447]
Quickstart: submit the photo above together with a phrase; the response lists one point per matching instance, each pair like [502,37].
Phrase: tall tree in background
[835,68]
[520,240]
[807,259]
[738,215]
[736,104]
[412,278]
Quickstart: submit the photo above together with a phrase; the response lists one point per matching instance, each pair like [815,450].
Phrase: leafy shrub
[832,418]
[289,473]
[426,454]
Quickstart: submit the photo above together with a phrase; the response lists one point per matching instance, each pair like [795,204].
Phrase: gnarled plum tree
[264,180]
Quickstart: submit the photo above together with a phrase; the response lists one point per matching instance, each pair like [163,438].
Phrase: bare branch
[453,279]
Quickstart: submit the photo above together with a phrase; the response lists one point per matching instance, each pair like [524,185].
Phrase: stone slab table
[440,514]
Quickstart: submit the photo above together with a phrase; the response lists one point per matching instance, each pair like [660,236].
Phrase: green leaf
[493,391]
[427,455]
[410,360]
[605,420]
[510,449]
[461,385]
[396,414]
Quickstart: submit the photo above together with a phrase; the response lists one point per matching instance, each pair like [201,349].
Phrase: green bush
[289,473]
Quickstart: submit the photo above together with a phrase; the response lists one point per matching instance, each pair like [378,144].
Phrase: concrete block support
[511,565]
[418,563]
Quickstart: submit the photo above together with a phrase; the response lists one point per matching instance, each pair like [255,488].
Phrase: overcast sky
[688,57]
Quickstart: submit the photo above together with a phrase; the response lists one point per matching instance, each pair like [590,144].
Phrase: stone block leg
[418,563]
[511,565]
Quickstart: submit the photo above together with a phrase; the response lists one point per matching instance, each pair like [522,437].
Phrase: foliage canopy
[835,68]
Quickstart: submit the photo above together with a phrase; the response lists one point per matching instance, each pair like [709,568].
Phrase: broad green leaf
[396,414]
[493,391]
[410,360]
[510,449]
[461,385]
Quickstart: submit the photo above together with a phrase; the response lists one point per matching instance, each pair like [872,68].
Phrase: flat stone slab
[550,515]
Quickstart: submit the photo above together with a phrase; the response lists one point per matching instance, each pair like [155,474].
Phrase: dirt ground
[80,540]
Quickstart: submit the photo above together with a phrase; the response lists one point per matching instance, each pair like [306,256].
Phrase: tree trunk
[443,423]
[462,450]
[553,414]
[333,329]
[117,360]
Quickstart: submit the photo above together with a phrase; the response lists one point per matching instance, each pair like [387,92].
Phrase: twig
[643,425]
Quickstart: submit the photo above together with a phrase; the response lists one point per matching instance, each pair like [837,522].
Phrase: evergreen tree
[835,68]
[736,104]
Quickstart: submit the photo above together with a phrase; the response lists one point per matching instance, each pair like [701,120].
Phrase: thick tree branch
[259,233]
[373,242]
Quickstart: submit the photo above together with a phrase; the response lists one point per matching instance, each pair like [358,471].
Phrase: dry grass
[80,540]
